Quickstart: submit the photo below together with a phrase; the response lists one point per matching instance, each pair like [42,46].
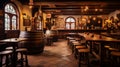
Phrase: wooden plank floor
[56,55]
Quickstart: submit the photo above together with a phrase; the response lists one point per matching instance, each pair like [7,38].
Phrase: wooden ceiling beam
[78,3]
[69,3]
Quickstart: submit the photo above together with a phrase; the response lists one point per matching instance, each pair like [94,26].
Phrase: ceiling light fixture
[96,9]
[31,4]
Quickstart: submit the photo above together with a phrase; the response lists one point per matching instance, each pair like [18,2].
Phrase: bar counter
[62,32]
[102,40]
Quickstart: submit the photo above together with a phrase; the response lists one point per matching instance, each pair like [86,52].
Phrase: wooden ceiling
[74,7]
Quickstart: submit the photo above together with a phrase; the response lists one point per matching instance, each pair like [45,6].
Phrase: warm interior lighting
[96,9]
[48,15]
[86,8]
[24,15]
[94,18]
[88,21]
[101,9]
[48,32]
[30,7]
[58,10]
[98,21]
[118,24]
[31,4]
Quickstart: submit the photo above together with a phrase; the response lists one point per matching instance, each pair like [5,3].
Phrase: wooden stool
[74,43]
[110,49]
[106,46]
[76,48]
[67,40]
[70,38]
[2,46]
[71,43]
[7,54]
[77,39]
[115,57]
[9,48]
[106,50]
[83,55]
[23,56]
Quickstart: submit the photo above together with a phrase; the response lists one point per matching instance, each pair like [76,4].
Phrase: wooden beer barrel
[35,41]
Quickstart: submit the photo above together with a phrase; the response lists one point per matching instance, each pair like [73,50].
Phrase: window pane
[10,9]
[68,20]
[7,22]
[72,20]
[40,26]
[10,18]
[67,26]
[72,25]
[14,23]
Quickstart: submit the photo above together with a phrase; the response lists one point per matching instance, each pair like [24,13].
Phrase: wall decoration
[26,22]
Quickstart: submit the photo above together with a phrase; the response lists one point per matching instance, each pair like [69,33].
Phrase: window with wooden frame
[11,17]
[70,23]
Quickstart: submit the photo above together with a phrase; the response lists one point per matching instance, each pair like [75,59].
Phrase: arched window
[70,23]
[11,17]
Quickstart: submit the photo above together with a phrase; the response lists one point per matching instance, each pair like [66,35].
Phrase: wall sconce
[94,18]
[24,15]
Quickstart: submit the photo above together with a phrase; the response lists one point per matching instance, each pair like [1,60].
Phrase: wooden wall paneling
[1,25]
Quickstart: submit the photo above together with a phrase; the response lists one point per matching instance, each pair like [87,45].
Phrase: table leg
[102,54]
[14,58]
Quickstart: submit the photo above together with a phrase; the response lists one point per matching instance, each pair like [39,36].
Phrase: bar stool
[106,50]
[115,57]
[23,56]
[77,48]
[69,38]
[9,48]
[71,43]
[74,43]
[109,49]
[8,56]
[112,49]
[83,54]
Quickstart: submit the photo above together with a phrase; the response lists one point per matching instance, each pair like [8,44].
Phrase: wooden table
[14,43]
[103,40]
[113,35]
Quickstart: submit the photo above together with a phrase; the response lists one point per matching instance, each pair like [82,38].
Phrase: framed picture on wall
[26,22]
